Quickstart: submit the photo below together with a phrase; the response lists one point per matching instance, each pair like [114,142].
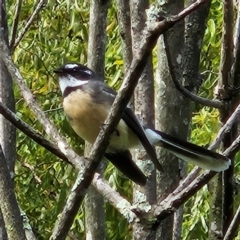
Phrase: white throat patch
[69,81]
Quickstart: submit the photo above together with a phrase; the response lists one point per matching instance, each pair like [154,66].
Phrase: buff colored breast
[86,118]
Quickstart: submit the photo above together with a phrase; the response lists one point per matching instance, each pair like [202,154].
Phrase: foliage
[59,35]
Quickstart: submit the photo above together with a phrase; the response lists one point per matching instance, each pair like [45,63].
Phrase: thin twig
[183,90]
[15,23]
[38,8]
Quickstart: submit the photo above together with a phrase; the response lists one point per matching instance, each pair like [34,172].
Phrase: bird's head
[74,75]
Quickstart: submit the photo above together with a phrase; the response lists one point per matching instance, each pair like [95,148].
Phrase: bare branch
[226,50]
[234,147]
[30,132]
[174,201]
[183,90]
[235,71]
[232,230]
[8,202]
[124,24]
[15,23]
[189,186]
[38,8]
[226,128]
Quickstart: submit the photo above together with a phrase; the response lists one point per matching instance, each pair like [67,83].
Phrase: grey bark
[124,23]
[8,203]
[222,187]
[7,130]
[170,104]
[94,201]
[144,108]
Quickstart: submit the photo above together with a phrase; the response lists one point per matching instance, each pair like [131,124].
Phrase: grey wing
[102,93]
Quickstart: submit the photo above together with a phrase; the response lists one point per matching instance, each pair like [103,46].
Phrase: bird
[87,101]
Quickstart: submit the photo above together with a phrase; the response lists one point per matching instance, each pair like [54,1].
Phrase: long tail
[189,152]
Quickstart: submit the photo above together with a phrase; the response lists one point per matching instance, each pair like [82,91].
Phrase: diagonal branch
[30,132]
[38,8]
[233,227]
[189,187]
[226,128]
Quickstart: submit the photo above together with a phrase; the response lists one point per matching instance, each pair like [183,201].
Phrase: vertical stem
[94,201]
[144,108]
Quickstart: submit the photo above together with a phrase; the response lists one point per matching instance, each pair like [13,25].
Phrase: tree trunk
[144,108]
[94,201]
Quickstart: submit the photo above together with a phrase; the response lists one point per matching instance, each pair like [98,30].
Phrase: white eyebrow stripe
[71,65]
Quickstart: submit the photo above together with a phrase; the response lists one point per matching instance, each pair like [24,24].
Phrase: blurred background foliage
[58,35]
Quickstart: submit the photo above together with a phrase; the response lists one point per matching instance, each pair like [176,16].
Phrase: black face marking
[80,72]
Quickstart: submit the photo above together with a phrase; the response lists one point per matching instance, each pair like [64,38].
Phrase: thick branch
[236,53]
[226,48]
[8,202]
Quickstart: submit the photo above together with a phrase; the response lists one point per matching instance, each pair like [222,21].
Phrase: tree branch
[30,132]
[226,51]
[183,90]
[8,202]
[232,230]
[38,8]
[226,128]
[190,185]
[15,23]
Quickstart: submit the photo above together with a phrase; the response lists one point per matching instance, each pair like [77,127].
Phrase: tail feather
[123,161]
[190,152]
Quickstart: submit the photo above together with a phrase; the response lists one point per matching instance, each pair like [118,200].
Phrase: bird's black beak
[58,71]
